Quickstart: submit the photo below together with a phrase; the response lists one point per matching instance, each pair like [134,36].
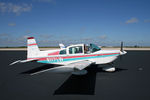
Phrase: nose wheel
[110,68]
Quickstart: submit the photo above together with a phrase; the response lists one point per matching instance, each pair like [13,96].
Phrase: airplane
[73,59]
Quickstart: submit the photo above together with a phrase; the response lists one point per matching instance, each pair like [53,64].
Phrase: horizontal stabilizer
[54,69]
[22,61]
[62,46]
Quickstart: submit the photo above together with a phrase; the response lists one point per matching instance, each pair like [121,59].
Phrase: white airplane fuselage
[98,57]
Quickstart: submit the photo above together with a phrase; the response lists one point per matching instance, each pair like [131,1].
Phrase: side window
[75,50]
[62,51]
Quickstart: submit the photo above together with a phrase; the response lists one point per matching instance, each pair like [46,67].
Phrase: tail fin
[32,48]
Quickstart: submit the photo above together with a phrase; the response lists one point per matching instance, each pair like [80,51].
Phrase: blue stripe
[72,59]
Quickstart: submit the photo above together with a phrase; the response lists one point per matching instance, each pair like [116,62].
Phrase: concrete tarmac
[130,81]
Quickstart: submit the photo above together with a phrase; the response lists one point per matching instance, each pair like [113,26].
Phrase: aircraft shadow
[81,85]
[84,84]
[76,85]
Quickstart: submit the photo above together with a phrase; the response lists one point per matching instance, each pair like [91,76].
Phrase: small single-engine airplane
[74,58]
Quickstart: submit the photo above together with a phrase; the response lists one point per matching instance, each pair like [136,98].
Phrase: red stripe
[45,58]
[54,53]
[32,44]
[30,37]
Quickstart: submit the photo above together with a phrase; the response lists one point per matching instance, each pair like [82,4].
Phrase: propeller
[122,52]
[121,47]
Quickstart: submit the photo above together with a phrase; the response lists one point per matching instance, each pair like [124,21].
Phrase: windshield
[94,48]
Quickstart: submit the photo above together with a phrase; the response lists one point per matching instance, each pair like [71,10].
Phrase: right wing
[67,68]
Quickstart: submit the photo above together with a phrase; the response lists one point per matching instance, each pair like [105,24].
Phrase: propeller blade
[121,48]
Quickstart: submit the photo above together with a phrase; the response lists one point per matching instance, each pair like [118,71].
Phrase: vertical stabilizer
[32,48]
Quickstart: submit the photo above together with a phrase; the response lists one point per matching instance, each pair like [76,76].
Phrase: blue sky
[103,22]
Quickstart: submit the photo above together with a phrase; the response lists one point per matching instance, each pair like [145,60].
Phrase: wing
[81,65]
[67,68]
[22,61]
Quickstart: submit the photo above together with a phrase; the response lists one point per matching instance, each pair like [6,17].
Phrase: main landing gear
[110,68]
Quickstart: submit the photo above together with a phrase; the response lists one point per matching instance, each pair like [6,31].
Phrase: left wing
[67,68]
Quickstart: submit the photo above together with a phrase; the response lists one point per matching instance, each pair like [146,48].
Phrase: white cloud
[82,30]
[46,36]
[10,40]
[132,20]
[11,24]
[15,8]
[44,1]
[147,21]
[25,36]
[103,37]
[3,35]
